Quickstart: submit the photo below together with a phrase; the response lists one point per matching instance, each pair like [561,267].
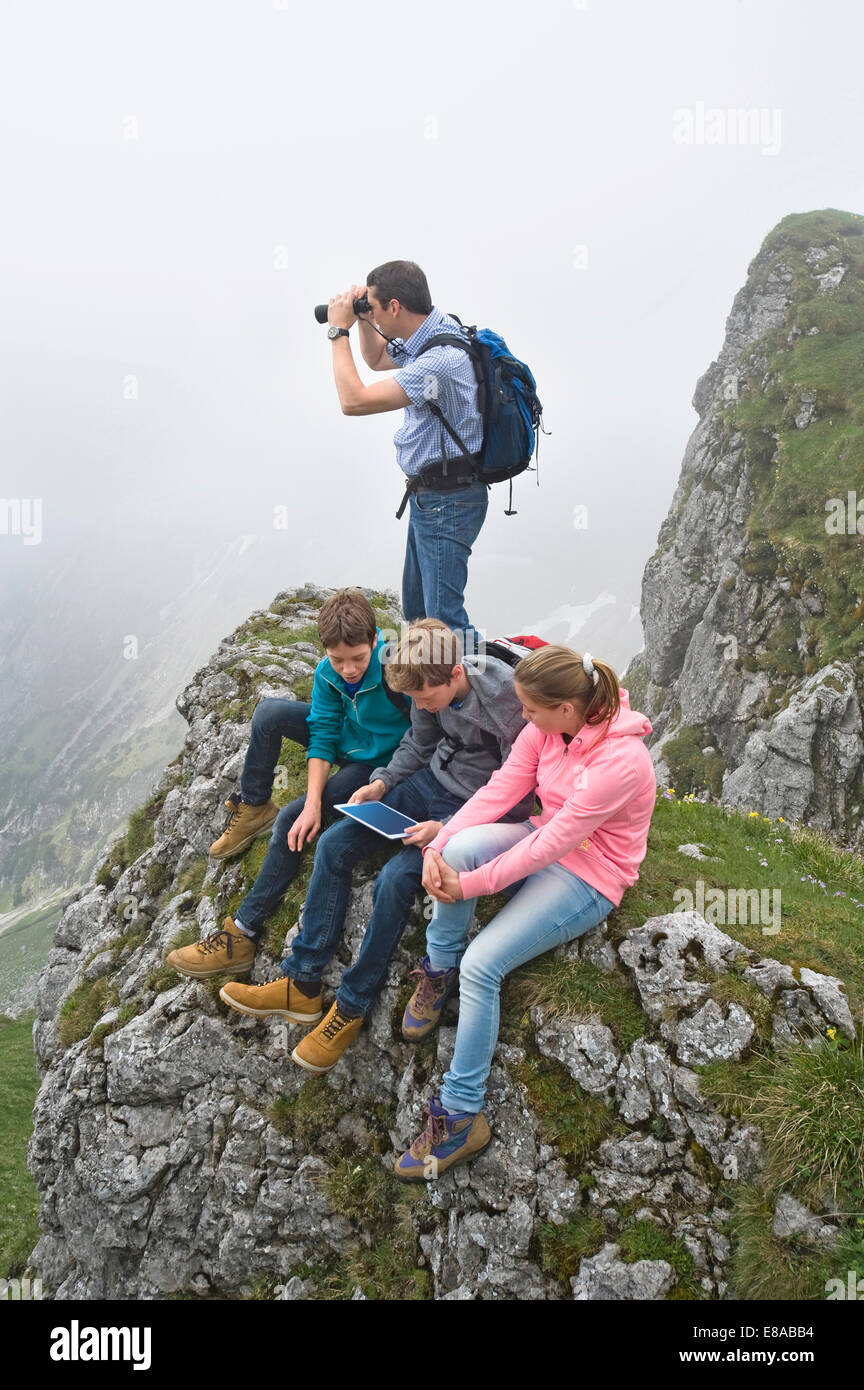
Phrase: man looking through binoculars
[448,501]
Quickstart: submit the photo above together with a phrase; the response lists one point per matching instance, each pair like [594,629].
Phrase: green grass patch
[691,769]
[310,1116]
[140,831]
[809,1107]
[19,1200]
[788,1270]
[374,1201]
[571,1120]
[191,880]
[562,1248]
[125,1014]
[647,1240]
[82,1009]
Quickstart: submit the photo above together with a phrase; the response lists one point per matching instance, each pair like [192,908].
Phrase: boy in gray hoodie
[464,718]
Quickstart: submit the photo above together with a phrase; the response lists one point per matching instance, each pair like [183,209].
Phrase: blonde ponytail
[553,675]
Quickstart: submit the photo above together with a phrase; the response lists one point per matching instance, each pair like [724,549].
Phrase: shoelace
[235,813]
[214,941]
[431,1135]
[336,1024]
[427,990]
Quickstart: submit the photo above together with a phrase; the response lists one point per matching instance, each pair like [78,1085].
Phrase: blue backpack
[508,403]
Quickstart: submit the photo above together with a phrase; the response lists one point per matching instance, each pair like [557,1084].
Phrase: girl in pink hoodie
[583,753]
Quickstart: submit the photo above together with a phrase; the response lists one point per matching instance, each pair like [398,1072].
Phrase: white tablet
[375,816]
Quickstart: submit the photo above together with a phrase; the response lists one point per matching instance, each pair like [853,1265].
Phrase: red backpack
[512,649]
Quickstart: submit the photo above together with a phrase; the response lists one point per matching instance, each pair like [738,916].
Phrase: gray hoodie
[487,722]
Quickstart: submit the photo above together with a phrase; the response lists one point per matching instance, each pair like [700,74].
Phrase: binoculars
[360,306]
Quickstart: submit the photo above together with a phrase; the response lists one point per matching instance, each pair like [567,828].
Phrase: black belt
[436,480]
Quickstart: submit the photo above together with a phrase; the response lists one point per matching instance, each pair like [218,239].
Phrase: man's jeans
[272,721]
[339,849]
[442,528]
[549,907]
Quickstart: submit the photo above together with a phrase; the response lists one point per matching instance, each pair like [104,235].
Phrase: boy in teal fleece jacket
[354,721]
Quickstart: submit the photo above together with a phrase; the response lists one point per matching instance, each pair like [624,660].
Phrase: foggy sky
[182,183]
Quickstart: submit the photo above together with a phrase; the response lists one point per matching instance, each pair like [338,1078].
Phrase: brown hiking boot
[423,1010]
[229,951]
[280,997]
[321,1049]
[448,1137]
[244,824]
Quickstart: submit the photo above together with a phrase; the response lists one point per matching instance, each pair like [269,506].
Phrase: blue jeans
[442,528]
[548,908]
[272,721]
[339,849]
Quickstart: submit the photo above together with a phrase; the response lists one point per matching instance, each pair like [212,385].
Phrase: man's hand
[359,292]
[373,791]
[423,833]
[341,309]
[306,826]
[440,880]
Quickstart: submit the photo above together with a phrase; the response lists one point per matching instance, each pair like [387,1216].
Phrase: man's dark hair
[402,280]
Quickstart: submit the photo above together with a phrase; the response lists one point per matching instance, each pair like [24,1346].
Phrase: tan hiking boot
[280,997]
[222,952]
[244,824]
[321,1049]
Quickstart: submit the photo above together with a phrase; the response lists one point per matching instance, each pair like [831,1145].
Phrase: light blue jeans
[547,909]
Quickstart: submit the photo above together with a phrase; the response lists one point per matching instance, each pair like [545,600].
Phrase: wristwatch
[334,332]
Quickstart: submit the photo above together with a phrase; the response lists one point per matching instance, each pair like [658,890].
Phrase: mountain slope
[752,604]
[178,1151]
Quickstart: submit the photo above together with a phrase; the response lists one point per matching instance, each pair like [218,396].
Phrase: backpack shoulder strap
[446,340]
[396,698]
[453,340]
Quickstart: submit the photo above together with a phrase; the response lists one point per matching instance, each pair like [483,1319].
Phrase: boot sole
[416,1037]
[309,1066]
[238,849]
[208,974]
[463,1158]
[269,1013]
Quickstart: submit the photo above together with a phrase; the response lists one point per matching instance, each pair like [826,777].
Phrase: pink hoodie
[598,794]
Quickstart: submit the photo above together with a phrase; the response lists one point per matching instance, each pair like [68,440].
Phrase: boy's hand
[305,827]
[423,833]
[373,791]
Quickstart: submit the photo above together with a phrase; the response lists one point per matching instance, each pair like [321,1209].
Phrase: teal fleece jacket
[364,729]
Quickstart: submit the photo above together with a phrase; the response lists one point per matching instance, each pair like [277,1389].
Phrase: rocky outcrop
[179,1151]
[746,598]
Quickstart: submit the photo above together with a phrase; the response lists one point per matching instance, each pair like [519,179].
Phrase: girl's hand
[440,880]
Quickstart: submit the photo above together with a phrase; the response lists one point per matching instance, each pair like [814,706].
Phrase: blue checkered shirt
[445,375]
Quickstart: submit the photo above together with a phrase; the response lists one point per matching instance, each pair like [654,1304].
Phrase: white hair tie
[588,667]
